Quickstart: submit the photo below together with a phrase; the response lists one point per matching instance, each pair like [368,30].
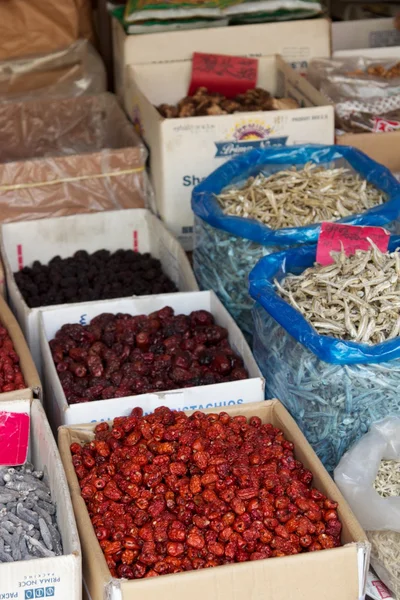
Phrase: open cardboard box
[297,41]
[217,395]
[66,156]
[337,574]
[184,151]
[137,229]
[60,577]
[28,368]
[383,147]
[364,33]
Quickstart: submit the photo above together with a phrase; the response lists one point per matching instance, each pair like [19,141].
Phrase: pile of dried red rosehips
[11,377]
[168,493]
[121,355]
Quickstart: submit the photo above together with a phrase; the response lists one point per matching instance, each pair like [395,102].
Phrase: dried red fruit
[169,493]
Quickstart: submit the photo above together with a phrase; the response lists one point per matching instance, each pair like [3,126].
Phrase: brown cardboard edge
[378,146]
[270,411]
[28,368]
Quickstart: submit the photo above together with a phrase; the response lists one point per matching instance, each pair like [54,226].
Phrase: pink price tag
[14,438]
[228,75]
[335,235]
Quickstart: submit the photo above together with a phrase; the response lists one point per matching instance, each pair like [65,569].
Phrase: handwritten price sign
[335,235]
[227,75]
[14,438]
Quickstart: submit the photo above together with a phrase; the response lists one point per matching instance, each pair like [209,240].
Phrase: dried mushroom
[203,103]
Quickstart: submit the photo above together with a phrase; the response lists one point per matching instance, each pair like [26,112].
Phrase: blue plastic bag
[226,247]
[334,389]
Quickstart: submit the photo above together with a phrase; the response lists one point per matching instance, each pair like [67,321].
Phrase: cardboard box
[296,41]
[378,53]
[28,368]
[68,156]
[184,151]
[217,395]
[365,33]
[382,147]
[137,229]
[337,574]
[60,577]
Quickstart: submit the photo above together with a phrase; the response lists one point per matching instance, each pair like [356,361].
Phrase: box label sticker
[227,75]
[14,438]
[334,236]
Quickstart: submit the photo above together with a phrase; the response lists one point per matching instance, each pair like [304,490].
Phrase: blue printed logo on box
[39,593]
[49,591]
[29,594]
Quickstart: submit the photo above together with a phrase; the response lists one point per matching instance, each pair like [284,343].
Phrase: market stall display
[335,373]
[195,512]
[277,198]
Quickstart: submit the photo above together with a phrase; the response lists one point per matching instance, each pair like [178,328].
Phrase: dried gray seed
[45,552]
[44,514]
[45,533]
[47,506]
[27,515]
[5,557]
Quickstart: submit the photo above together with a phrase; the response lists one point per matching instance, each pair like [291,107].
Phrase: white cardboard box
[184,151]
[378,53]
[139,229]
[364,33]
[58,578]
[218,395]
[296,41]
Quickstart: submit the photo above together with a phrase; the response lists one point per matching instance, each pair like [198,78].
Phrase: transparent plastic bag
[70,72]
[366,91]
[380,517]
[226,248]
[69,156]
[333,388]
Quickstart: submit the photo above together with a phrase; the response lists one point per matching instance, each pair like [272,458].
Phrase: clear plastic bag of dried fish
[327,340]
[368,476]
[276,198]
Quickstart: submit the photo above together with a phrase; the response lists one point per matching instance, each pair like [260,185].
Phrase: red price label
[334,236]
[227,75]
[14,438]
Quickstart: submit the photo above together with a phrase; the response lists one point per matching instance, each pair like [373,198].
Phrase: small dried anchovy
[28,525]
[387,481]
[334,405]
[295,198]
[222,263]
[356,298]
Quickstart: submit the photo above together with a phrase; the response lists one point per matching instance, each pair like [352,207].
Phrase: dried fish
[299,197]
[28,525]
[367,283]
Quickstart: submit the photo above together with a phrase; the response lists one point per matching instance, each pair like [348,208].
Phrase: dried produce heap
[99,276]
[28,525]
[356,298]
[385,545]
[121,355]
[295,198]
[377,70]
[11,377]
[168,493]
[203,103]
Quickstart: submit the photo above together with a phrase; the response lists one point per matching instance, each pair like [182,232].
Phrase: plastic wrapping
[41,26]
[69,156]
[364,100]
[73,71]
[226,248]
[141,10]
[380,517]
[334,389]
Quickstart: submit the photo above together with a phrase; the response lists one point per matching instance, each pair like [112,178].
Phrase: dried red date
[11,377]
[123,355]
[179,493]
